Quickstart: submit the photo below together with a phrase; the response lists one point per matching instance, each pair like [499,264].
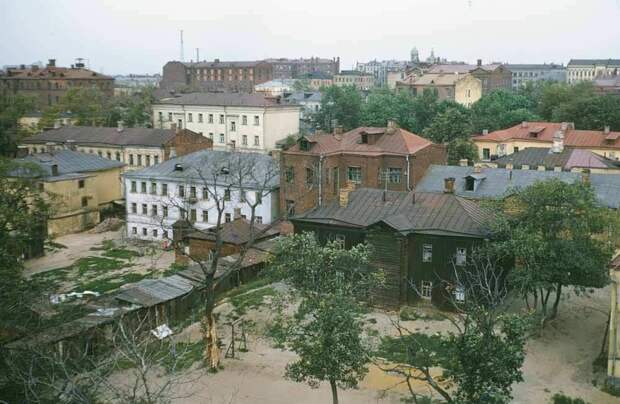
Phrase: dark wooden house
[417,239]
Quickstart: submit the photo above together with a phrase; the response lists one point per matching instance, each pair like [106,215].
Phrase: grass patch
[405,349]
[98,264]
[186,355]
[250,300]
[411,314]
[173,269]
[53,278]
[120,253]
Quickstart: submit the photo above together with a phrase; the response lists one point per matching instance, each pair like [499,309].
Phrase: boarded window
[427,253]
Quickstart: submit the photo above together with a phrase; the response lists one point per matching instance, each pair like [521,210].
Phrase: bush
[560,398]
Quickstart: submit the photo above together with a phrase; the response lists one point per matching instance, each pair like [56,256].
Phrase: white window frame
[427,253]
[426,290]
[460,257]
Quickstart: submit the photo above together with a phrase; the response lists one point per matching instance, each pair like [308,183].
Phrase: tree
[501,109]
[593,112]
[383,105]
[302,85]
[449,125]
[462,148]
[553,231]
[326,329]
[342,104]
[12,107]
[88,106]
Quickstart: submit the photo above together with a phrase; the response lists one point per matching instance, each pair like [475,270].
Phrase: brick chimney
[119,126]
[338,130]
[479,63]
[463,162]
[343,199]
[448,185]
[51,63]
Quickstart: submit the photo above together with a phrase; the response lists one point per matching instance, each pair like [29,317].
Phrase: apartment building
[361,81]
[187,188]
[246,122]
[525,73]
[590,69]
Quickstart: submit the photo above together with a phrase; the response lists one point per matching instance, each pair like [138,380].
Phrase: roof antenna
[182,56]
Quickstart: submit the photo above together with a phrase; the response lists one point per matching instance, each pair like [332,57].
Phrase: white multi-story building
[191,186]
[523,73]
[246,122]
[590,69]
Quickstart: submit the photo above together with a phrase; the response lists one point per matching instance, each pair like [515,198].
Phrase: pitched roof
[438,79]
[100,135]
[223,99]
[208,165]
[433,213]
[237,232]
[400,142]
[69,162]
[74,73]
[499,182]
[566,159]
[303,96]
[534,66]
[545,131]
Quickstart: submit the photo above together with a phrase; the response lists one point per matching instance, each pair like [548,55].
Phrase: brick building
[315,169]
[284,68]
[50,83]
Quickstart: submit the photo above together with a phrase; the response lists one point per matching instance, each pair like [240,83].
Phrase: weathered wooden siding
[388,254]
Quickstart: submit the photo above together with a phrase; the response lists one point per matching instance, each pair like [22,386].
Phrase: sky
[140,36]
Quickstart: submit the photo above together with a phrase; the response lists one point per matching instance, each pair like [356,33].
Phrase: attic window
[535,131]
[364,138]
[470,183]
[303,145]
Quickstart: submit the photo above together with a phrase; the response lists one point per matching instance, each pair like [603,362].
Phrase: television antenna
[182,56]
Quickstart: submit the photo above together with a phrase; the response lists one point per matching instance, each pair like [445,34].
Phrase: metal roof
[566,159]
[100,135]
[68,162]
[149,292]
[223,99]
[500,182]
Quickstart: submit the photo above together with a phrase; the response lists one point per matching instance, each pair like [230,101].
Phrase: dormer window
[304,145]
[364,138]
[470,183]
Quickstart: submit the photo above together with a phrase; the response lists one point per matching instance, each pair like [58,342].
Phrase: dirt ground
[558,361]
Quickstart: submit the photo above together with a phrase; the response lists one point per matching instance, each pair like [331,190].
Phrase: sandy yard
[558,361]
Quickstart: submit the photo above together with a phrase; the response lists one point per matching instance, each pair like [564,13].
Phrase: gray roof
[431,213]
[149,292]
[222,99]
[606,62]
[206,166]
[69,163]
[108,136]
[299,97]
[499,182]
[566,159]
[533,66]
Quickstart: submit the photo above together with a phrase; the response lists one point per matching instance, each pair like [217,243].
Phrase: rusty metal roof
[150,292]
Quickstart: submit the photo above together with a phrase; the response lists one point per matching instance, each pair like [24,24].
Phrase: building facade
[590,69]
[47,85]
[317,167]
[361,81]
[188,188]
[284,68]
[541,134]
[382,69]
[524,73]
[247,122]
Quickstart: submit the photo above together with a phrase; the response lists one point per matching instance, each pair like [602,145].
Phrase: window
[516,149]
[470,184]
[227,195]
[211,135]
[134,230]
[459,293]
[256,120]
[426,289]
[109,155]
[165,234]
[309,176]
[164,189]
[461,256]
[199,118]
[153,210]
[338,239]
[242,196]
[144,209]
[244,140]
[244,120]
[221,138]
[144,231]
[153,188]
[290,207]
[118,156]
[210,118]
[355,174]
[181,191]
[258,219]
[180,124]
[139,159]
[192,192]
[394,174]
[427,253]
[170,116]
[289,174]
[80,183]
[134,207]
[161,116]
[190,117]
[256,141]
[486,153]
[233,126]
[258,197]
[155,233]
[182,213]
[133,186]
[227,217]
[205,216]
[304,145]
[156,160]
[192,215]
[99,153]
[143,187]
[164,211]
[131,159]
[221,119]
[148,160]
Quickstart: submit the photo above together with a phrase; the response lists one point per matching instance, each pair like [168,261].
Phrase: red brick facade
[185,141]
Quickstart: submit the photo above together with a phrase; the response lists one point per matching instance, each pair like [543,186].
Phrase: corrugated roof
[566,159]
[436,213]
[204,166]
[70,162]
[149,292]
[223,99]
[499,182]
[100,135]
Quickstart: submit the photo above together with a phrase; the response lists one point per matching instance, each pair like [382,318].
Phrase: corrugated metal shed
[150,292]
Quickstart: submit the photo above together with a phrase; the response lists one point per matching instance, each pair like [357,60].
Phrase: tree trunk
[558,293]
[332,383]
[209,333]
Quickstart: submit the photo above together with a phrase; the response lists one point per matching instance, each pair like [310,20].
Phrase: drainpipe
[408,172]
[321,179]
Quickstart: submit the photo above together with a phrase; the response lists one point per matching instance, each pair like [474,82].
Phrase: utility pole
[182,56]
[197,55]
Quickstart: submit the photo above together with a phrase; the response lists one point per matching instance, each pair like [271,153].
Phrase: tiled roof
[585,62]
[222,99]
[566,159]
[237,232]
[70,162]
[207,165]
[100,135]
[400,142]
[56,73]
[434,213]
[546,130]
[496,183]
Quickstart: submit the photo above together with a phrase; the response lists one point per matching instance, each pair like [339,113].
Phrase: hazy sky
[139,36]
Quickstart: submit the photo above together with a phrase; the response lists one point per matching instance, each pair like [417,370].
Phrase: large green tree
[340,104]
[12,107]
[553,229]
[449,125]
[326,329]
[383,105]
[501,109]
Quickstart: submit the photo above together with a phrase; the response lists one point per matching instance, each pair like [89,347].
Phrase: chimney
[607,129]
[448,185]
[391,127]
[338,130]
[119,126]
[237,213]
[344,194]
[524,124]
[558,142]
[585,176]
[477,169]
[564,126]
[51,63]
[54,170]
[50,147]
[71,144]
[57,124]
[463,162]
[479,63]
[485,131]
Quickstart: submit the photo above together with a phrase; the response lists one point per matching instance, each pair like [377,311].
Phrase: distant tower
[182,56]
[431,59]
[415,56]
